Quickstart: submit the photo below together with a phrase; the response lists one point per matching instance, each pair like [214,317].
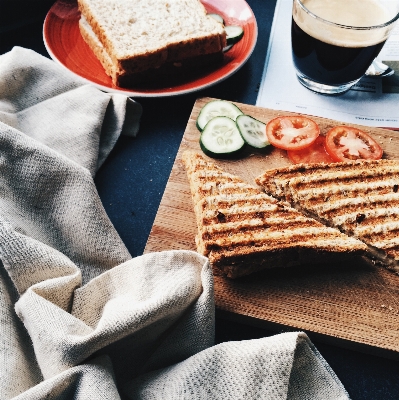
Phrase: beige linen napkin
[79,317]
[49,104]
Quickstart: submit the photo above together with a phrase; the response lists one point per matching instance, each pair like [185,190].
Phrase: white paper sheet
[372,102]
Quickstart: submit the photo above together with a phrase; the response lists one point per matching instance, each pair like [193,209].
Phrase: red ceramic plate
[66,46]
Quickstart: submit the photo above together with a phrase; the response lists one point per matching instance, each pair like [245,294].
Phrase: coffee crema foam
[355,13]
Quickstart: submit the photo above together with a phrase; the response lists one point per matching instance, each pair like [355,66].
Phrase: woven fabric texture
[82,319]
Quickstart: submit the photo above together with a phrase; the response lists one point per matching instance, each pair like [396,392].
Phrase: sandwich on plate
[138,41]
[360,198]
[242,230]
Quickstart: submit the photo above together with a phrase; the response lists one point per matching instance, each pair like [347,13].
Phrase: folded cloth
[81,318]
[50,105]
[285,366]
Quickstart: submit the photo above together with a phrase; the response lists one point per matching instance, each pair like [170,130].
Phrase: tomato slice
[315,153]
[345,143]
[292,132]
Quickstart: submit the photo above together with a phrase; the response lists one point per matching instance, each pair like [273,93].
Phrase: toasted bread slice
[242,230]
[360,198]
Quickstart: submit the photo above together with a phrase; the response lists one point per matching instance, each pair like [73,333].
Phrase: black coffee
[329,64]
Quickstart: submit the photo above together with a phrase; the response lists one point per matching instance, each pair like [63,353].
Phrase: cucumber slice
[233,33]
[218,17]
[252,131]
[221,138]
[217,108]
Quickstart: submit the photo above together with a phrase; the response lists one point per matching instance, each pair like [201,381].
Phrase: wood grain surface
[352,305]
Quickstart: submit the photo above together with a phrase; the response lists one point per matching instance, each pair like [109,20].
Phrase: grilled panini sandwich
[242,230]
[360,198]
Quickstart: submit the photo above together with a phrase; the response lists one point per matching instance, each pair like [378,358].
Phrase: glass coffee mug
[335,41]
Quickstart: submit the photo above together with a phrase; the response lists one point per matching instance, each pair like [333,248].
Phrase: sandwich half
[360,198]
[139,40]
[242,230]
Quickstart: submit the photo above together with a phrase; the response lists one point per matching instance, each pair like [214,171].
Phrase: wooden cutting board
[352,305]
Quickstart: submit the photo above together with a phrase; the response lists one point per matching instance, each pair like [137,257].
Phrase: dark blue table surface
[132,181]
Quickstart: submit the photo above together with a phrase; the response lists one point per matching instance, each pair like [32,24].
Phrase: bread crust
[100,52]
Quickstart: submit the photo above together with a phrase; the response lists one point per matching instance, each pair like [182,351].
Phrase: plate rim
[138,94]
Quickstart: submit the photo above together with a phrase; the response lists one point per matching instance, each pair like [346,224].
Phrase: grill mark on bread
[224,216]
[330,197]
[342,206]
[379,237]
[240,218]
[255,226]
[378,183]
